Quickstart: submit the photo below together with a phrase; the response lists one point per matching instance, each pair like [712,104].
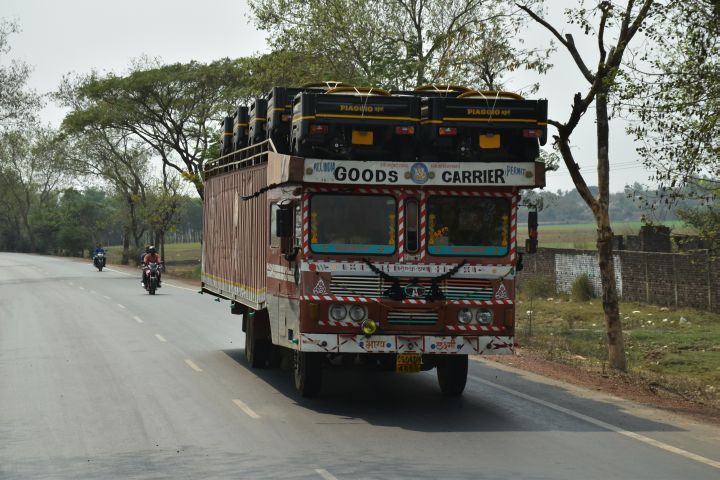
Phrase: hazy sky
[59,37]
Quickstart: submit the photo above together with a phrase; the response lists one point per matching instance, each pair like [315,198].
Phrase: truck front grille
[453,289]
[412,317]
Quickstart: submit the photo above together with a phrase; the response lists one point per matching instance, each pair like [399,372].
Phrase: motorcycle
[152,277]
[99,261]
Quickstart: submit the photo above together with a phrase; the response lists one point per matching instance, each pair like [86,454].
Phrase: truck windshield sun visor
[353,224]
[468,226]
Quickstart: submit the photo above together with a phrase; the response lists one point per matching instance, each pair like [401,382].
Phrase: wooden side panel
[235,236]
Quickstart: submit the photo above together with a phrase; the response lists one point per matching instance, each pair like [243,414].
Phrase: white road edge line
[249,411]
[138,319]
[106,297]
[160,337]
[192,365]
[164,283]
[601,424]
[121,305]
[325,474]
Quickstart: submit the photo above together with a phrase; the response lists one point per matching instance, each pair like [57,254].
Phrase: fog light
[338,312]
[464,316]
[358,313]
[369,327]
[484,317]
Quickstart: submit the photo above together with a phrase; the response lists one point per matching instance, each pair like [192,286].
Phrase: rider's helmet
[151,249]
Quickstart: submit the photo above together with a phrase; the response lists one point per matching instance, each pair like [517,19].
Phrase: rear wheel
[256,349]
[452,374]
[308,373]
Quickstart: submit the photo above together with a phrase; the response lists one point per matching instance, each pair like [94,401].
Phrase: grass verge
[675,350]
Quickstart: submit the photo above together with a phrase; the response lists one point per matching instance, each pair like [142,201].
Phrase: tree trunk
[613,323]
[126,249]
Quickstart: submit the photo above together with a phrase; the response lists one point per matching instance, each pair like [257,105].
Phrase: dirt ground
[614,384]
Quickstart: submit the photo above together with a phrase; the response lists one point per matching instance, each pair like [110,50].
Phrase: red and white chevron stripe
[474,328]
[513,227]
[401,229]
[306,223]
[423,226]
[407,301]
[335,323]
[480,302]
[468,193]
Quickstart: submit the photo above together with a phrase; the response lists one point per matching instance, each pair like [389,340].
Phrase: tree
[622,24]
[173,108]
[17,104]
[401,43]
[678,103]
[114,157]
[31,169]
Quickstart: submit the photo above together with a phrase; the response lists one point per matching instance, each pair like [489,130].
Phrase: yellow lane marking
[249,411]
[192,365]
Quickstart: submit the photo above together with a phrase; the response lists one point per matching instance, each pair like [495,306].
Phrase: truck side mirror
[284,221]
[531,243]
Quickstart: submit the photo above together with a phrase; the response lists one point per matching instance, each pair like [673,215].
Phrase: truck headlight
[338,312]
[484,317]
[358,313]
[464,316]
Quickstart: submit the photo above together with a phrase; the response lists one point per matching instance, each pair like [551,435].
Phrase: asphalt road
[100,380]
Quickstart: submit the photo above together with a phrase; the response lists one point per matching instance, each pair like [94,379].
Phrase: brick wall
[672,279]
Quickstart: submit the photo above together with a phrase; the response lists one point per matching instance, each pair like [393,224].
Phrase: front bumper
[427,344]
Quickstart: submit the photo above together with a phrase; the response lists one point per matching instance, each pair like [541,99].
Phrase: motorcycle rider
[99,249]
[150,257]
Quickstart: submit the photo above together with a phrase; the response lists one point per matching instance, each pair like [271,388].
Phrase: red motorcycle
[152,277]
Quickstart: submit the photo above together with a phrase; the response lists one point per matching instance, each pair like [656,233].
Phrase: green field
[582,235]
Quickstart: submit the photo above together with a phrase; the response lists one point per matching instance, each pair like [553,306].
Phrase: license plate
[362,138]
[490,141]
[408,363]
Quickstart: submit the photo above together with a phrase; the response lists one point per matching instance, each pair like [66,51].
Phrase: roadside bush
[537,287]
[582,288]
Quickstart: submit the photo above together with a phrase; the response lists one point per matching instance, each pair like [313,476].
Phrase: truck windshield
[468,226]
[352,224]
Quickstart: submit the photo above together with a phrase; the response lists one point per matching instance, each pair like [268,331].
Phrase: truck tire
[452,374]
[256,349]
[308,373]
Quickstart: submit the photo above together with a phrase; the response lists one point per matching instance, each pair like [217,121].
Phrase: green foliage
[675,94]
[17,104]
[533,286]
[173,109]
[582,288]
[399,43]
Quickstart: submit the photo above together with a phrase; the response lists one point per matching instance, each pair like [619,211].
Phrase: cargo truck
[386,261]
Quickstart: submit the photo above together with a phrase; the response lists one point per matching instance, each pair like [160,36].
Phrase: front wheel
[153,286]
[308,373]
[452,374]
[99,268]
